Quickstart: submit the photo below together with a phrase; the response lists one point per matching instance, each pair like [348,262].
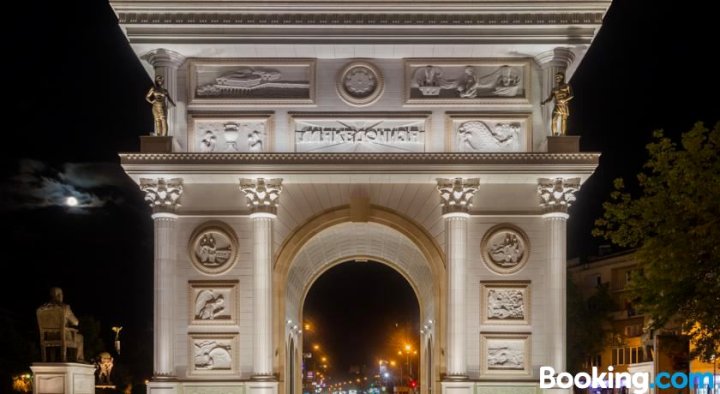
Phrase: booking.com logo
[639,381]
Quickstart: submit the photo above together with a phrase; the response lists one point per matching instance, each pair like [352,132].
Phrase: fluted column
[456,199]
[551,62]
[262,198]
[166,63]
[556,196]
[164,198]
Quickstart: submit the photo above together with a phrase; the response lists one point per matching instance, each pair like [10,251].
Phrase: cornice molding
[360,158]
[357,19]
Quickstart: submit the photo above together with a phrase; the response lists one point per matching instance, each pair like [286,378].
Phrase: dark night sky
[77,93]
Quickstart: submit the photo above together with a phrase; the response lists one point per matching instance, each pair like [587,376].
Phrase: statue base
[156,144]
[563,144]
[63,378]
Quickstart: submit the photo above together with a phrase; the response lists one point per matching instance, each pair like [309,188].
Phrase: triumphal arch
[302,134]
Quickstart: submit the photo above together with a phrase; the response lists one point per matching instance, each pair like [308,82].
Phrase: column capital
[263,195]
[559,57]
[162,57]
[456,195]
[557,194]
[162,195]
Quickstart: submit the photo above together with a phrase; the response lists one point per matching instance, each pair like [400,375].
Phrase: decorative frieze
[462,19]
[466,81]
[480,132]
[456,194]
[557,194]
[213,302]
[162,195]
[263,195]
[250,133]
[251,82]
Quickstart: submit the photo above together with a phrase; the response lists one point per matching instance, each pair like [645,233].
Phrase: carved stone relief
[213,248]
[338,133]
[360,84]
[211,354]
[213,302]
[248,134]
[505,302]
[505,354]
[250,82]
[477,132]
[505,248]
[452,81]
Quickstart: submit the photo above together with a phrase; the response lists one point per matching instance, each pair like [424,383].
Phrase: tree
[589,324]
[674,223]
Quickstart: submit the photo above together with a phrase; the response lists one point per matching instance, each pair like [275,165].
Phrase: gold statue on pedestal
[562,95]
[159,97]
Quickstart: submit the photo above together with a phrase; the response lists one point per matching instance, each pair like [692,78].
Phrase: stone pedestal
[159,386]
[262,387]
[563,144]
[459,387]
[156,144]
[63,378]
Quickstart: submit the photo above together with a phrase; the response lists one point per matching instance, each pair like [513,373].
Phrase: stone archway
[334,237]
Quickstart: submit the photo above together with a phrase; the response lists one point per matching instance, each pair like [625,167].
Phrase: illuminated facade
[309,133]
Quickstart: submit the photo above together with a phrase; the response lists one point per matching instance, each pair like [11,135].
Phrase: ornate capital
[558,57]
[163,58]
[556,195]
[162,195]
[263,194]
[456,194]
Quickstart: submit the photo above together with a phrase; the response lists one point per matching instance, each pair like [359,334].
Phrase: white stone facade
[307,134]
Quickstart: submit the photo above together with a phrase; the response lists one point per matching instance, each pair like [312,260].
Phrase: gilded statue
[562,95]
[159,97]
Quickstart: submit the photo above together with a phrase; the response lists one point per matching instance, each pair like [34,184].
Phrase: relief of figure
[469,85]
[502,357]
[509,252]
[477,136]
[250,81]
[255,142]
[505,81]
[159,97]
[209,254]
[562,94]
[213,356]
[207,144]
[209,306]
[505,304]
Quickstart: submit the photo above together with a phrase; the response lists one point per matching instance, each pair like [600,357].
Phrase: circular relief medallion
[505,248]
[213,248]
[360,83]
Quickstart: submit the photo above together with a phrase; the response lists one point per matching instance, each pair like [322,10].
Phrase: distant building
[629,348]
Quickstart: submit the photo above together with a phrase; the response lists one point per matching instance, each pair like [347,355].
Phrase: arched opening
[362,330]
[332,238]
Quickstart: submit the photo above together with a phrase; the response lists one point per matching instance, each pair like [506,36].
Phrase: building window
[628,355]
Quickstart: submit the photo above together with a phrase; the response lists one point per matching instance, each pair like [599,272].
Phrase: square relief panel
[212,354]
[505,355]
[213,302]
[251,82]
[478,132]
[245,133]
[505,302]
[451,81]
